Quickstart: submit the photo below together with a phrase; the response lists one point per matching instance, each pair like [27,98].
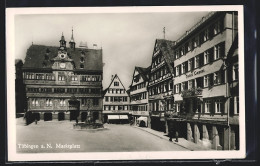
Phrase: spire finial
[163,32]
[72,38]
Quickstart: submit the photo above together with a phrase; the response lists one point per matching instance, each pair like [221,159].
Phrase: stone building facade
[63,83]
[206,83]
[139,97]
[116,103]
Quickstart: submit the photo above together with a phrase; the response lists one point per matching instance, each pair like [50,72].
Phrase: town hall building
[64,82]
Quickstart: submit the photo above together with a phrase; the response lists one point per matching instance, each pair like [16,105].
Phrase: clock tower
[62,60]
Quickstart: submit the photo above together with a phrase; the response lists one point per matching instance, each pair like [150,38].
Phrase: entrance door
[95,116]
[61,116]
[73,115]
[36,116]
[83,116]
[47,116]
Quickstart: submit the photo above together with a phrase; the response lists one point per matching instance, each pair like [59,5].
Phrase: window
[74,78]
[183,67]
[197,61]
[190,64]
[199,107]
[217,78]
[81,66]
[48,102]
[218,27]
[62,102]
[177,88]
[106,98]
[178,107]
[191,84]
[219,51]
[69,90]
[182,50]
[206,57]
[207,106]
[218,106]
[116,83]
[190,46]
[196,41]
[206,81]
[125,107]
[235,72]
[35,102]
[206,35]
[177,54]
[81,59]
[95,102]
[236,105]
[177,71]
[61,77]
[182,86]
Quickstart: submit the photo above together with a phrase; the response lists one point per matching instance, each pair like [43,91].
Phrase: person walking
[176,136]
[170,135]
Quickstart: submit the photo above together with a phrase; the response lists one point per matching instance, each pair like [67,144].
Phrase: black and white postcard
[125,83]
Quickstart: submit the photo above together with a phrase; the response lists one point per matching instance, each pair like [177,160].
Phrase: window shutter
[221,22]
[222,49]
[211,31]
[211,79]
[195,105]
[212,106]
[223,106]
[201,60]
[222,75]
[211,54]
[231,108]
[201,38]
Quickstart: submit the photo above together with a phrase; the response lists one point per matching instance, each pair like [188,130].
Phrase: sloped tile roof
[35,57]
[166,47]
[143,72]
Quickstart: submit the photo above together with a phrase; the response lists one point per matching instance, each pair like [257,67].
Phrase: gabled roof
[143,72]
[166,48]
[35,57]
[116,76]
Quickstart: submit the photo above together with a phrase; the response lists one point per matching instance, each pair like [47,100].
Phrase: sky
[127,39]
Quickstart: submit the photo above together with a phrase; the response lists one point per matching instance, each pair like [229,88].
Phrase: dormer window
[48,51]
[81,59]
[44,64]
[46,57]
[81,66]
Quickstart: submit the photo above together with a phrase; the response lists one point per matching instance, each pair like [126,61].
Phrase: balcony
[193,92]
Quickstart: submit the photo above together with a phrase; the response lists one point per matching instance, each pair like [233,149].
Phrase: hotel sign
[140,113]
[196,72]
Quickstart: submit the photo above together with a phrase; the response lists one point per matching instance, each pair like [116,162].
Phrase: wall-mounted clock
[62,65]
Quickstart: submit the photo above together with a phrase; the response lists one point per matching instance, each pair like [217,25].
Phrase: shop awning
[111,117]
[123,116]
[142,118]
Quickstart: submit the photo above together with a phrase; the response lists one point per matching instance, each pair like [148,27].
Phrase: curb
[163,138]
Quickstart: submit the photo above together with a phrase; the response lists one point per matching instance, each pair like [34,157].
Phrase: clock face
[62,56]
[62,65]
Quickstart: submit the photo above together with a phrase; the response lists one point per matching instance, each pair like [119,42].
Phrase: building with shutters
[64,82]
[160,86]
[139,97]
[116,104]
[206,82]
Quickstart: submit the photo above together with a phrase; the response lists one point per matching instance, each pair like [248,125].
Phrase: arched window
[81,59]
